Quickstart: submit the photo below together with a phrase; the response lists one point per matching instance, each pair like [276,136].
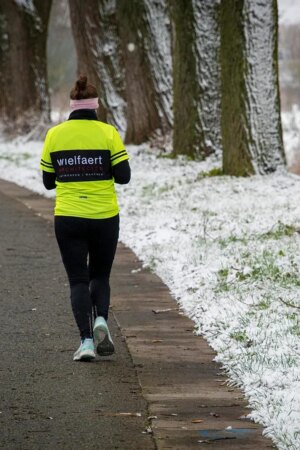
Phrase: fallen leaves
[121,414]
[159,311]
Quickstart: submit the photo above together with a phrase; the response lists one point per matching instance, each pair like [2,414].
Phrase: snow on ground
[228,248]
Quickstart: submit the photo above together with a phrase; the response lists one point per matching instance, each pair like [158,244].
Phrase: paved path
[189,401]
[48,401]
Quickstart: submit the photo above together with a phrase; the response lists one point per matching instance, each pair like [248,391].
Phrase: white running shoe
[86,351]
[103,340]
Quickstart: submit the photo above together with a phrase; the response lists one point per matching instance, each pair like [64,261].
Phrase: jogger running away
[82,158]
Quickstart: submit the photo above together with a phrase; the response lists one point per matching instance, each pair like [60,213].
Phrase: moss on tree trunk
[251,125]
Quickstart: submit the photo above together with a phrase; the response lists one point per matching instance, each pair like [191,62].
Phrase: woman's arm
[121,172]
[49,180]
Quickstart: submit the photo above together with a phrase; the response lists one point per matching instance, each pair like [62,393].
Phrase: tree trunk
[157,43]
[95,30]
[197,127]
[251,126]
[124,48]
[23,69]
[146,47]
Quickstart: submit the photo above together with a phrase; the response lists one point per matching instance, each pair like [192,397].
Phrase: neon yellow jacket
[82,154]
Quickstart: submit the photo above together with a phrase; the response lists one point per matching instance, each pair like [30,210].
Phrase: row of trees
[204,70]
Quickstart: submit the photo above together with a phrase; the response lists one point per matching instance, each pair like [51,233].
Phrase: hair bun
[81,83]
[82,89]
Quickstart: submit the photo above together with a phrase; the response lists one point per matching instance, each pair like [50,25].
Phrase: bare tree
[146,48]
[251,125]
[23,32]
[124,47]
[95,30]
[196,41]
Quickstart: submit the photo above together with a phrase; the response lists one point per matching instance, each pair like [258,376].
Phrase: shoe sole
[88,356]
[105,347]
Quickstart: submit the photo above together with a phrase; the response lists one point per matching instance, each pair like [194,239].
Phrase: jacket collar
[83,114]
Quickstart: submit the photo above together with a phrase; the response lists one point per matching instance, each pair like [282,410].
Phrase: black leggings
[88,248]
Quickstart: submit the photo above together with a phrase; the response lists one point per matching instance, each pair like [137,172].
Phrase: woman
[82,158]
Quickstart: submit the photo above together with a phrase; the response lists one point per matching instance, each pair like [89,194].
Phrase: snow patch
[27,4]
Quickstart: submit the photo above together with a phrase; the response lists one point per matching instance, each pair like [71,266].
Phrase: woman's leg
[71,234]
[102,248]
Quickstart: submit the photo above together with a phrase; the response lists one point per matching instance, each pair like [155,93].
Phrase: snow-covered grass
[228,248]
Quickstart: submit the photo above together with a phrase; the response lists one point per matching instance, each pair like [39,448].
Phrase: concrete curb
[190,404]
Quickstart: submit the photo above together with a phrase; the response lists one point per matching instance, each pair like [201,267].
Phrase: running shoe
[103,340]
[86,351]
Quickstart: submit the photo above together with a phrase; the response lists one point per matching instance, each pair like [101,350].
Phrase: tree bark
[95,30]
[146,48]
[197,117]
[24,101]
[251,125]
[124,48]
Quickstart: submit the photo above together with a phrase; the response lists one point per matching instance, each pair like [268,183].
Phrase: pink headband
[85,103]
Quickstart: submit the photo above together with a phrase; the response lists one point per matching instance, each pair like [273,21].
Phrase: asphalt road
[47,401]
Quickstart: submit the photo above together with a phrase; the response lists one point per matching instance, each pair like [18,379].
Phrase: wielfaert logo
[82,165]
[79,160]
